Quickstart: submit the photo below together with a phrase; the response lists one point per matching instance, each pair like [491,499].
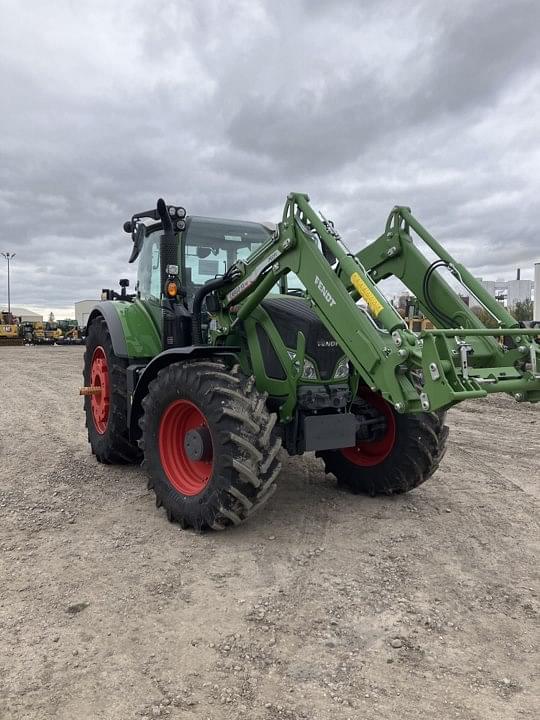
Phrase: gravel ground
[325,605]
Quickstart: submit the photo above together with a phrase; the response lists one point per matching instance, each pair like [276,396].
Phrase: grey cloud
[460,67]
[226,107]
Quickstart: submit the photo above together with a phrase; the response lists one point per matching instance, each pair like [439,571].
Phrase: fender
[108,313]
[134,334]
[143,376]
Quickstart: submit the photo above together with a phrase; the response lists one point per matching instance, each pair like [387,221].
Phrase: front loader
[243,338]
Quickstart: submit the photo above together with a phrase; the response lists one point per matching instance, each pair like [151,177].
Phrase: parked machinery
[9,330]
[240,340]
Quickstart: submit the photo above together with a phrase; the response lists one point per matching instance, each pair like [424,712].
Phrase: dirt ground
[324,605]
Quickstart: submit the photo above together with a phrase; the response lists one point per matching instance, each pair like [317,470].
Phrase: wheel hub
[198,444]
[185,447]
[377,431]
[99,380]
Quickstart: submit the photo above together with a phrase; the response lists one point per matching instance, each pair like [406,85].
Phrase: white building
[513,291]
[536,314]
[518,291]
[24,314]
[491,286]
[83,308]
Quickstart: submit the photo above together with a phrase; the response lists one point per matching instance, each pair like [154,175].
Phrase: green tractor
[243,338]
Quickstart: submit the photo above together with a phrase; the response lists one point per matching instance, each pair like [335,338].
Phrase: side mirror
[137,236]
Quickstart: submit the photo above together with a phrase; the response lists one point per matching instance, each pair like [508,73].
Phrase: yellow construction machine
[9,330]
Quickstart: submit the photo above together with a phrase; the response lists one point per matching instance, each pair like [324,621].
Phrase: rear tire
[417,446]
[209,444]
[106,414]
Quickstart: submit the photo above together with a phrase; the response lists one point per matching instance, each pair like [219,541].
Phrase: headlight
[309,371]
[342,370]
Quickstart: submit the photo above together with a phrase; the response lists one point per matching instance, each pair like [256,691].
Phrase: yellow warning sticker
[373,302]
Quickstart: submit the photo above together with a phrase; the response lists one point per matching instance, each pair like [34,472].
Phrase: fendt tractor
[243,338]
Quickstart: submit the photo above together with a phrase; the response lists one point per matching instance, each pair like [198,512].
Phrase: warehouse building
[23,314]
[537,291]
[513,291]
[83,308]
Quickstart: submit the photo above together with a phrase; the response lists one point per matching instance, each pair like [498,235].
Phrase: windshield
[211,246]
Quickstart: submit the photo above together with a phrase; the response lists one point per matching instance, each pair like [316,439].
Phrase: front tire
[106,413]
[209,445]
[402,458]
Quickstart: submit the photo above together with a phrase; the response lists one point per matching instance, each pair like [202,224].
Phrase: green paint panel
[142,336]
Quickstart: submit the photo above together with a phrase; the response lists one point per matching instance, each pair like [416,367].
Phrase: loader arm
[414,373]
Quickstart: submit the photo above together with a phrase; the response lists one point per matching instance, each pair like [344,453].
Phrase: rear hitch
[90,390]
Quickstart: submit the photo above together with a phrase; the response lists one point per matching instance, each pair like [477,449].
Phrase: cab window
[149,275]
[211,246]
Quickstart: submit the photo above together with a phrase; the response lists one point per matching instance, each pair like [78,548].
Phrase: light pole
[9,257]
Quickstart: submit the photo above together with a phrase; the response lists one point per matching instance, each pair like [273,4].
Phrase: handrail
[462,332]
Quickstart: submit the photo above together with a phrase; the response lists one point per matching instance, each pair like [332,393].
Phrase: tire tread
[242,434]
[418,454]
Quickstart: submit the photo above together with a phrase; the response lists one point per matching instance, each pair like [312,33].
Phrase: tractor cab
[171,270]
[176,259]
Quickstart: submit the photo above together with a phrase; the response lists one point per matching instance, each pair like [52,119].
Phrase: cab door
[149,278]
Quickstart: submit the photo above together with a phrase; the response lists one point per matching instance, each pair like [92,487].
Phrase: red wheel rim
[99,377]
[367,454]
[187,476]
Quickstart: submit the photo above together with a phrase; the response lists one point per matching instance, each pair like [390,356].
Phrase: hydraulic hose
[196,323]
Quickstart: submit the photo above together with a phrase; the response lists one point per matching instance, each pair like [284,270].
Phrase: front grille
[290,316]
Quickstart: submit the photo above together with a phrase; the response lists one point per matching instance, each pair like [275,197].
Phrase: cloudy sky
[226,106]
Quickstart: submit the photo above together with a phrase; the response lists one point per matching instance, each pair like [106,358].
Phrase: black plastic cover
[328,432]
[291,315]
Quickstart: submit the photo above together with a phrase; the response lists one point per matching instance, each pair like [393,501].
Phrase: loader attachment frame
[462,359]
[477,354]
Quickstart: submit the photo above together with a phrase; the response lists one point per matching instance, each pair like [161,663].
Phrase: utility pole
[9,257]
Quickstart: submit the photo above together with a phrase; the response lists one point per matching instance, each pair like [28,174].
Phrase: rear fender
[133,332]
